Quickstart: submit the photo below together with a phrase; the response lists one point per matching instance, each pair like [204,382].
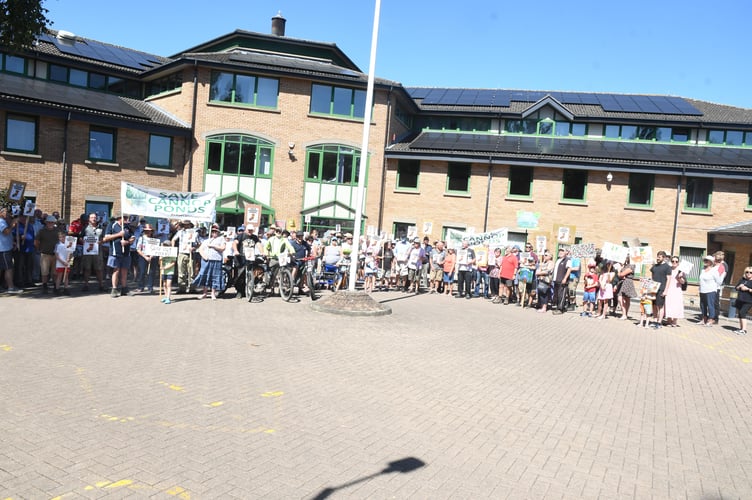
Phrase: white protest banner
[91,245]
[29,208]
[150,244]
[685,266]
[161,251]
[641,258]
[153,202]
[427,227]
[614,252]
[70,244]
[583,250]
[494,239]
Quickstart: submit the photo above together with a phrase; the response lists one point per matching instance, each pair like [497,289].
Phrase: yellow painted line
[713,347]
[179,492]
[5,347]
[272,394]
[174,387]
[214,404]
[119,484]
[112,418]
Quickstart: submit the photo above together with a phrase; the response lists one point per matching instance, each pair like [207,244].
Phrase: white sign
[155,202]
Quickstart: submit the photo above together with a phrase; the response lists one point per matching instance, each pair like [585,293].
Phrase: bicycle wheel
[250,282]
[225,281]
[311,286]
[285,283]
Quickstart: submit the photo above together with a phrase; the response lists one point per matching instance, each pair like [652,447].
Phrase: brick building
[277,122]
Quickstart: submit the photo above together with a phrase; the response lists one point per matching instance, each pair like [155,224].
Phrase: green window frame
[333,164]
[102,144]
[240,155]
[14,64]
[520,182]
[21,133]
[244,89]
[160,151]
[574,185]
[408,175]
[527,126]
[698,194]
[641,189]
[458,178]
[728,137]
[330,100]
[565,129]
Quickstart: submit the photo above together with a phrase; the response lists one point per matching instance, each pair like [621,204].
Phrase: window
[78,78]
[408,172]
[521,126]
[165,84]
[334,164]
[234,154]
[546,127]
[101,144]
[564,129]
[693,255]
[698,193]
[749,195]
[242,89]
[337,101]
[520,181]
[574,185]
[21,133]
[160,151]
[641,189]
[58,73]
[668,134]
[458,178]
[15,64]
[727,137]
[680,134]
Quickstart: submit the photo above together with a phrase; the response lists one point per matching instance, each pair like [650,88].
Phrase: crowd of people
[35,250]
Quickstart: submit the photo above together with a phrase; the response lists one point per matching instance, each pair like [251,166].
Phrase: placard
[91,245]
[614,252]
[583,250]
[16,190]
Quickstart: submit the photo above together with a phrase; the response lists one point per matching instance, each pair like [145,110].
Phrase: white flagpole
[364,150]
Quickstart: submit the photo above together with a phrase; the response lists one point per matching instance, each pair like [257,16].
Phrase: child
[61,265]
[167,266]
[370,268]
[606,289]
[646,307]
[590,282]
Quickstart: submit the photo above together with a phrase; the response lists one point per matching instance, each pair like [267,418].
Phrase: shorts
[167,277]
[47,263]
[6,260]
[91,263]
[507,282]
[659,300]
[60,270]
[588,297]
[742,308]
[437,274]
[448,277]
[119,262]
[412,273]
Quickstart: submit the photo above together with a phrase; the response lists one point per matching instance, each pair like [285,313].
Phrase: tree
[21,22]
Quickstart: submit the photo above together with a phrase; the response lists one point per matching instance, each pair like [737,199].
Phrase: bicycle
[263,279]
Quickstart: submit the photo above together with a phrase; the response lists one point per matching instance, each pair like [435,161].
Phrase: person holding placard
[120,238]
[62,265]
[45,241]
[211,275]
[167,270]
[148,265]
[674,294]
[92,256]
[660,272]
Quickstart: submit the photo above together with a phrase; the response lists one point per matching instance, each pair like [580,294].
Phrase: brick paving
[130,398]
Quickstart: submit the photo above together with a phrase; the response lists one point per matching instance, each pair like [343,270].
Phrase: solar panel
[97,51]
[584,149]
[608,102]
[434,96]
[485,98]
[467,97]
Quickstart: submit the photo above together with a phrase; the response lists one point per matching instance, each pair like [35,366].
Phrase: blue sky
[694,48]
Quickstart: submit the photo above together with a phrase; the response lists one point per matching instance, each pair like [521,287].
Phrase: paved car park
[443,398]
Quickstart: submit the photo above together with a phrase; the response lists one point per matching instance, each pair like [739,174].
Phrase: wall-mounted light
[609,178]
[291,152]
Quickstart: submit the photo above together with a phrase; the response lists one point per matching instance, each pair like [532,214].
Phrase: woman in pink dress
[674,306]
